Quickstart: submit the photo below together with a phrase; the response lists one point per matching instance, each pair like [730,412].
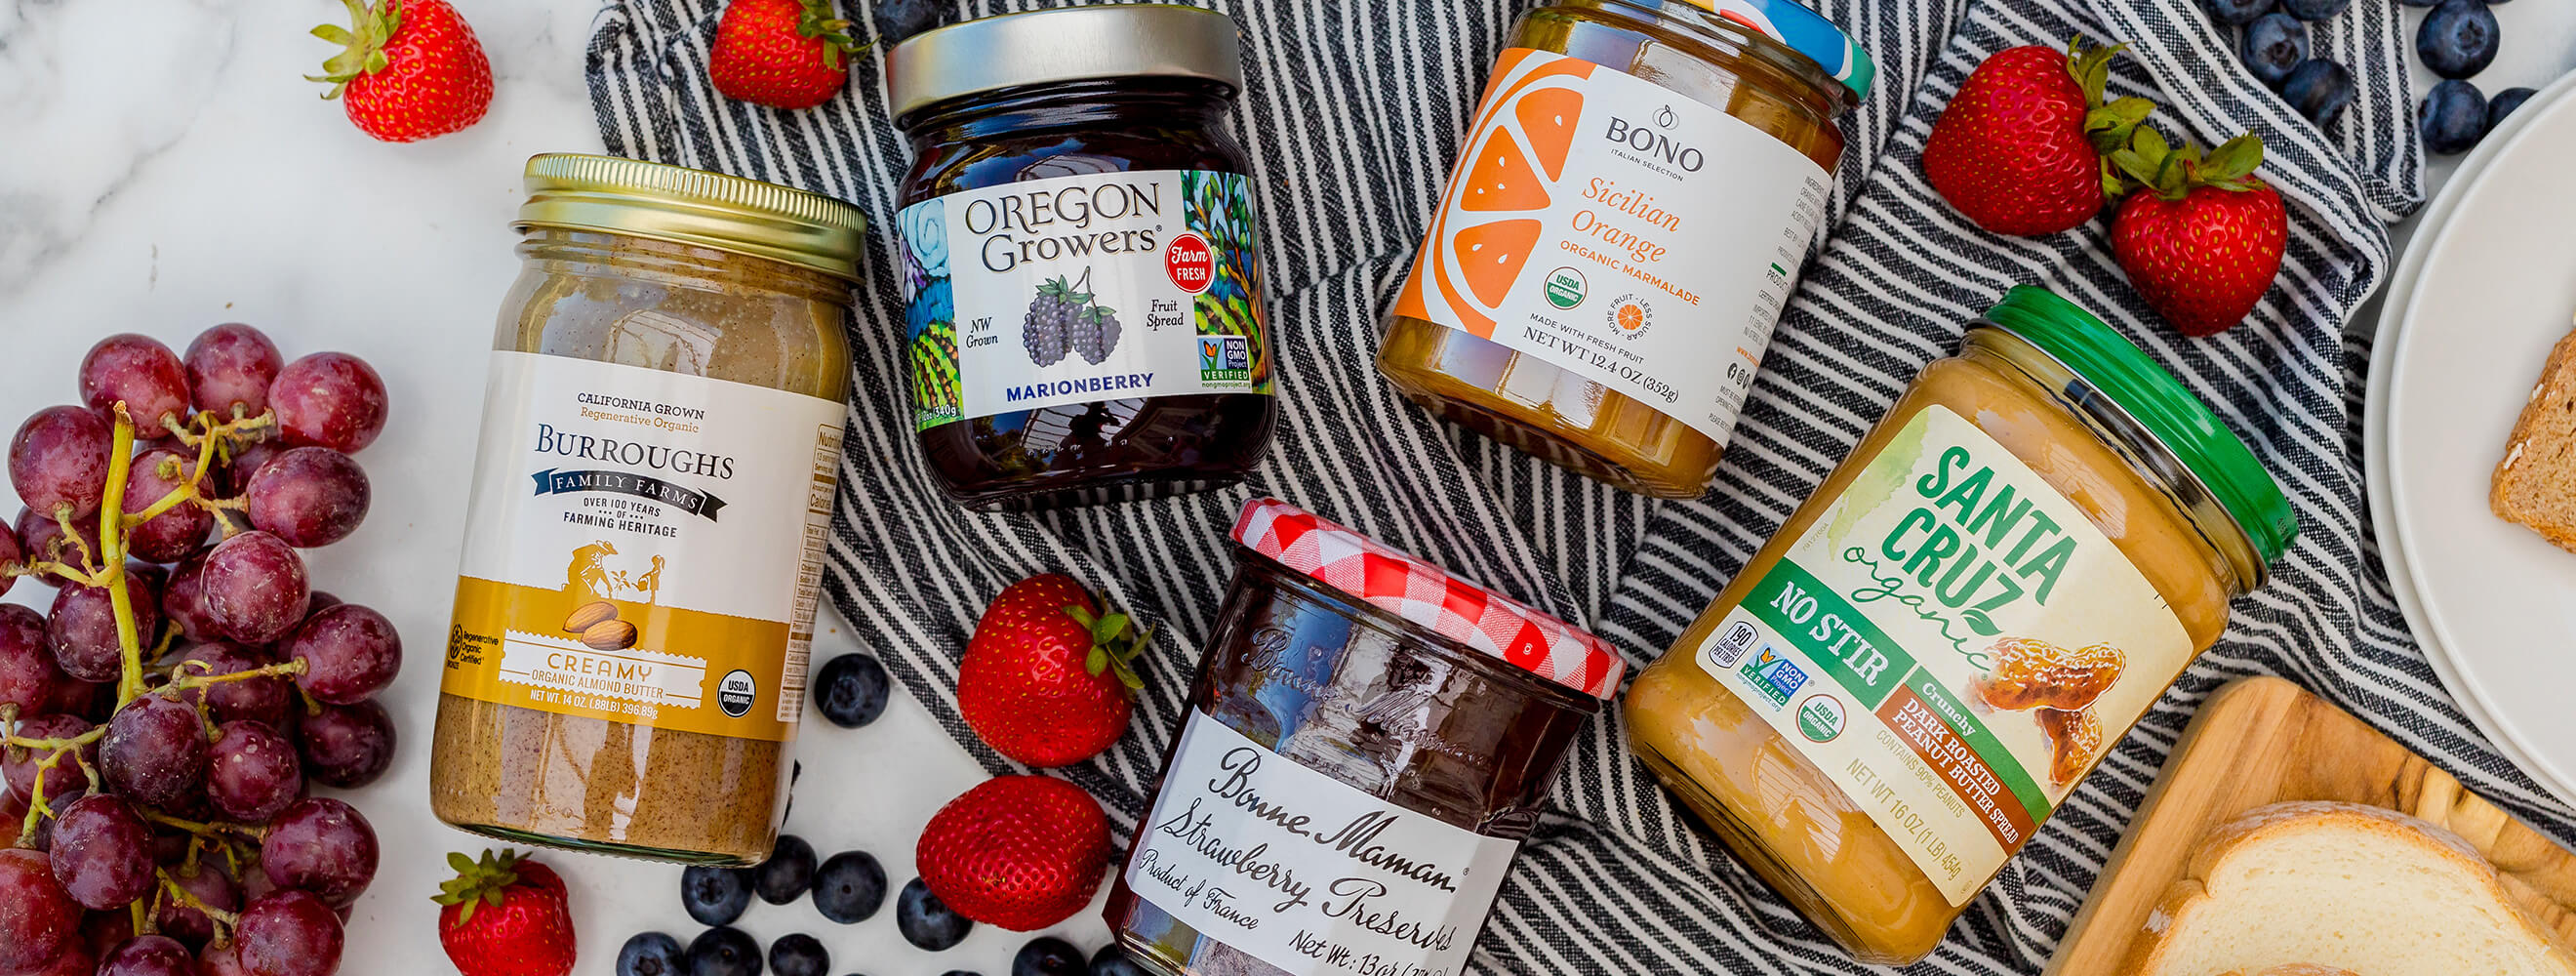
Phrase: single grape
[221,960]
[309,496]
[253,587]
[102,853]
[149,955]
[288,933]
[75,961]
[208,885]
[183,600]
[140,371]
[262,699]
[40,537]
[246,464]
[155,750]
[349,652]
[173,534]
[60,458]
[38,922]
[29,678]
[104,931]
[323,846]
[329,399]
[9,556]
[65,781]
[82,626]
[252,771]
[231,365]
[319,602]
[346,746]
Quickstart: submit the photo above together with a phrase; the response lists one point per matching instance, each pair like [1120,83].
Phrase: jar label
[1081,288]
[643,547]
[1304,872]
[1620,230]
[1953,643]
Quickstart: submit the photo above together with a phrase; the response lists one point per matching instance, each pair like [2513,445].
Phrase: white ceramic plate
[2494,286]
[2392,323]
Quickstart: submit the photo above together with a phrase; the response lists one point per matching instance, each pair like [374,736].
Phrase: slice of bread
[2535,484]
[2298,969]
[2346,886]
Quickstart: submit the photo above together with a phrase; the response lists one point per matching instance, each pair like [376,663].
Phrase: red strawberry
[1020,852]
[2020,148]
[2202,238]
[781,53]
[1046,677]
[505,916]
[411,69]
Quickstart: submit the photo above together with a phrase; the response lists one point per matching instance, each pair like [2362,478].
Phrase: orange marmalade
[1917,668]
[1635,197]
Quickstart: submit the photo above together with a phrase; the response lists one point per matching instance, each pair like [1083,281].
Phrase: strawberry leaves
[818,20]
[483,882]
[2172,172]
[362,43]
[1111,651]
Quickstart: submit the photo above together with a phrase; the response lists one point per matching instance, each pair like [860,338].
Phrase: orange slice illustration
[1503,178]
[1490,256]
[1548,117]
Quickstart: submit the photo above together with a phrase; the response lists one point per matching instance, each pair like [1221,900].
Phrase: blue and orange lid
[1804,31]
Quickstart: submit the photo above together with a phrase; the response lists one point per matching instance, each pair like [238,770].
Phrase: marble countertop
[162,174]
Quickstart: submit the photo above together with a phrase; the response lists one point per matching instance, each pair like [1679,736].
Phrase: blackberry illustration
[1050,322]
[1095,333]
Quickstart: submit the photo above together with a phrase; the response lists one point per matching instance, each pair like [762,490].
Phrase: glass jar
[1082,278]
[1367,744]
[1922,663]
[661,438]
[1636,195]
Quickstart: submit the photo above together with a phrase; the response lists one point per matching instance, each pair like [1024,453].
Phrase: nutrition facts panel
[809,574]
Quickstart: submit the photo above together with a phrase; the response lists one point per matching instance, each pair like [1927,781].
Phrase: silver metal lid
[1063,44]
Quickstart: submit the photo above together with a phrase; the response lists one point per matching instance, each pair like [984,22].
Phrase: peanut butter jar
[660,442]
[1917,668]
[1631,208]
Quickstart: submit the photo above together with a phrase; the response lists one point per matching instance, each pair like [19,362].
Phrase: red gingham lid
[1429,597]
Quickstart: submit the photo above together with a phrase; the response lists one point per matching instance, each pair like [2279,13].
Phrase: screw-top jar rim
[1064,44]
[693,206]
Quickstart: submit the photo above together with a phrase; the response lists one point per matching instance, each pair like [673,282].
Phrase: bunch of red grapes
[165,720]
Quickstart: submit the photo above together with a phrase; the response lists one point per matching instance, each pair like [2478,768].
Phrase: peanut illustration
[589,615]
[609,635]
[2032,673]
[2073,738]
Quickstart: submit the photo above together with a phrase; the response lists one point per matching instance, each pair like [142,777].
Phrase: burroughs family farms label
[1620,230]
[1301,871]
[1952,642]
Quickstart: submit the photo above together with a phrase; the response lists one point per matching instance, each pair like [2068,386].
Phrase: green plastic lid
[2177,418]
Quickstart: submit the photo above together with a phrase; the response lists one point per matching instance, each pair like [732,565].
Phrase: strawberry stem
[362,43]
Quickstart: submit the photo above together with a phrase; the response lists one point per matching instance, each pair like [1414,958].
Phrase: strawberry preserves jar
[1631,207]
[1920,666]
[1368,741]
[1082,280]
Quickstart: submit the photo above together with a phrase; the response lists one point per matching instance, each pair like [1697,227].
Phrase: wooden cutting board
[2264,740]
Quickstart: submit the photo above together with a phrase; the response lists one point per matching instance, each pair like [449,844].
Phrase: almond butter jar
[661,438]
[1631,208]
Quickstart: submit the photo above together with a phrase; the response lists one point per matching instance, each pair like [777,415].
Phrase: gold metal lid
[1038,47]
[693,206]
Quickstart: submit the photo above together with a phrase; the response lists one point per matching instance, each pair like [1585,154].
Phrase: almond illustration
[590,615]
[609,635]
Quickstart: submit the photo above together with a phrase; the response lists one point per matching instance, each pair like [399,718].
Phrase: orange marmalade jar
[1637,192]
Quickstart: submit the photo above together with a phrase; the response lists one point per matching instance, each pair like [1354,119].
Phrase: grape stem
[184,681]
[170,888]
[213,829]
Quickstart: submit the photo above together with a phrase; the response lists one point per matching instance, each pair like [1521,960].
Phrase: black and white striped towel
[1353,113]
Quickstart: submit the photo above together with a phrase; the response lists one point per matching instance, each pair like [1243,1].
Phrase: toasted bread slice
[2535,484]
[2345,886]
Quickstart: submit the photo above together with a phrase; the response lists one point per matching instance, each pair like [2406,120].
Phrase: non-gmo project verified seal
[1777,677]
[1225,357]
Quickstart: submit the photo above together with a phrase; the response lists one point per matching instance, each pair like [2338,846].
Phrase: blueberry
[2319,89]
[925,921]
[2504,103]
[849,887]
[900,19]
[724,951]
[651,954]
[2458,39]
[799,955]
[851,691]
[2314,9]
[790,868]
[2275,43]
[715,896]
[2452,117]
[1048,957]
[1113,961]
[2238,11]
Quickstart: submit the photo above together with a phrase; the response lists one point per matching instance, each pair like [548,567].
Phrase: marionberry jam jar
[1368,742]
[1082,284]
